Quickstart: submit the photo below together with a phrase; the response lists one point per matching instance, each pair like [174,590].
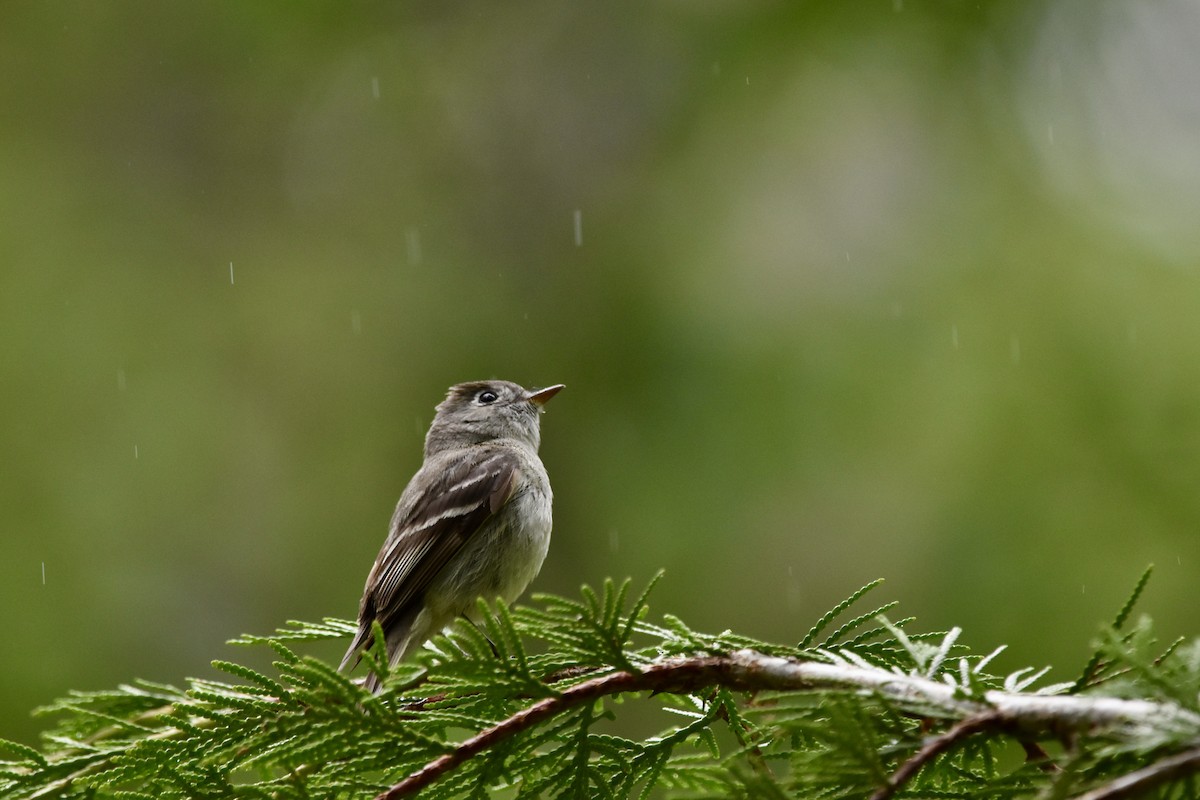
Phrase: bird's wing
[433,526]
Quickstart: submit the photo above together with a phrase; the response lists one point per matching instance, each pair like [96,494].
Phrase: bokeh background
[839,291]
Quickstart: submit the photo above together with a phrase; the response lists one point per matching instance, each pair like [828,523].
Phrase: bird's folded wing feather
[434,526]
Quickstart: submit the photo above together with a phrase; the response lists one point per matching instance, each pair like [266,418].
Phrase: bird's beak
[540,396]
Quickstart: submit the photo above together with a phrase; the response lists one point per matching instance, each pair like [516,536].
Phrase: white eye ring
[486,397]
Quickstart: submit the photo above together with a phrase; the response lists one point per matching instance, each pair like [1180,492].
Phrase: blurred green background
[838,291]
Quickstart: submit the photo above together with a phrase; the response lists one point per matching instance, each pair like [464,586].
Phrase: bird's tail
[355,651]
[400,636]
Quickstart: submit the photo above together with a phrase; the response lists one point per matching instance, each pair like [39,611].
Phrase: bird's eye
[487,397]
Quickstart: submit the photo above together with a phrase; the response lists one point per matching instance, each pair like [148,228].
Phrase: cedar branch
[934,748]
[1142,780]
[1026,714]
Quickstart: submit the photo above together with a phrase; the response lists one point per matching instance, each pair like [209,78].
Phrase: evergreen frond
[299,631]
[531,702]
[1095,665]
[834,613]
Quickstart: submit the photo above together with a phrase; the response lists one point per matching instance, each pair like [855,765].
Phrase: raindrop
[375,87]
[578,227]
[793,592]
[412,244]
[43,573]
[135,451]
[954,336]
[230,273]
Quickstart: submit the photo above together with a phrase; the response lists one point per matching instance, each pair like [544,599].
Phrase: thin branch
[747,670]
[1142,780]
[934,748]
[1036,755]
[1115,717]
[674,675]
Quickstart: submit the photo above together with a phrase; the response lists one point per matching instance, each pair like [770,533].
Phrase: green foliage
[529,703]
[1096,662]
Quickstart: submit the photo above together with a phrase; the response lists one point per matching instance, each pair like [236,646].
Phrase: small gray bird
[473,522]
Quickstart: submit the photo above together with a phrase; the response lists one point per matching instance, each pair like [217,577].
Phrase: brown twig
[934,748]
[676,675]
[420,703]
[1026,715]
[1036,754]
[1144,779]
[568,672]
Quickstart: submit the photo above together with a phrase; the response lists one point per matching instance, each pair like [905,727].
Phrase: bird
[474,521]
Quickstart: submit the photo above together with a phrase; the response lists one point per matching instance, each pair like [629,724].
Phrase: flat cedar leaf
[851,625]
[835,612]
[23,752]
[1134,596]
[250,675]
[614,601]
[296,630]
[1094,666]
[640,606]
